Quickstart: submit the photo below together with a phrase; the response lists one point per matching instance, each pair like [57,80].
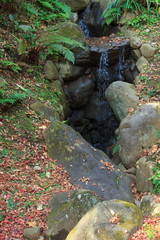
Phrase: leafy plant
[116,7]
[155,179]
[9,64]
[56,44]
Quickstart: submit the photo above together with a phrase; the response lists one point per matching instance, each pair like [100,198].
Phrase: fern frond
[30,9]
[22,46]
[64,51]
[47,5]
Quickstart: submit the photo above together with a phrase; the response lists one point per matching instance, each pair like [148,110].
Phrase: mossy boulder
[150,206]
[65,29]
[138,132]
[66,211]
[108,220]
[44,111]
[88,167]
[76,5]
[61,100]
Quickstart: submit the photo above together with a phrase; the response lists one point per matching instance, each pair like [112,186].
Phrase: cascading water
[105,115]
[81,22]
[121,63]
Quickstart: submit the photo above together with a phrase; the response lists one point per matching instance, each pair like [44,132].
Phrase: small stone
[37,168]
[135,42]
[32,233]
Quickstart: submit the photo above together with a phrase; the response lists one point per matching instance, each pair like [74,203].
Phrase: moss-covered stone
[98,226]
[66,212]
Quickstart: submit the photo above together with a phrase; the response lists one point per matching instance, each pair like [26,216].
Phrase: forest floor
[28,176]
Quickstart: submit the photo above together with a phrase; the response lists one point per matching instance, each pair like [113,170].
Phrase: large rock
[109,220]
[69,71]
[88,167]
[138,132]
[121,97]
[142,63]
[75,5]
[149,205]
[147,50]
[144,171]
[78,92]
[114,48]
[59,92]
[51,72]
[46,112]
[65,29]
[66,211]
[32,233]
[135,42]
[93,20]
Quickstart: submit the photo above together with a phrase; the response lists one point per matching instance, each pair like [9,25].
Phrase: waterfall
[121,63]
[103,82]
[81,22]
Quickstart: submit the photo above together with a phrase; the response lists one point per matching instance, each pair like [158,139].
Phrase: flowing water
[121,63]
[81,22]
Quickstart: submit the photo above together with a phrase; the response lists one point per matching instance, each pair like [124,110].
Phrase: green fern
[13,98]
[61,45]
[31,10]
[110,15]
[60,49]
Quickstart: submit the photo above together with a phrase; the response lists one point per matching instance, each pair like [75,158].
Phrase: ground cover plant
[28,176]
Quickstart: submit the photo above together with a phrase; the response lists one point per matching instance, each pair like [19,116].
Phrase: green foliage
[9,65]
[145,17]
[116,146]
[155,179]
[116,7]
[56,44]
[13,97]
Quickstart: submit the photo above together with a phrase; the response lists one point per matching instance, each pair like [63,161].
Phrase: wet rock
[91,109]
[67,210]
[78,92]
[77,117]
[138,132]
[97,226]
[114,49]
[128,76]
[93,20]
[85,163]
[69,71]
